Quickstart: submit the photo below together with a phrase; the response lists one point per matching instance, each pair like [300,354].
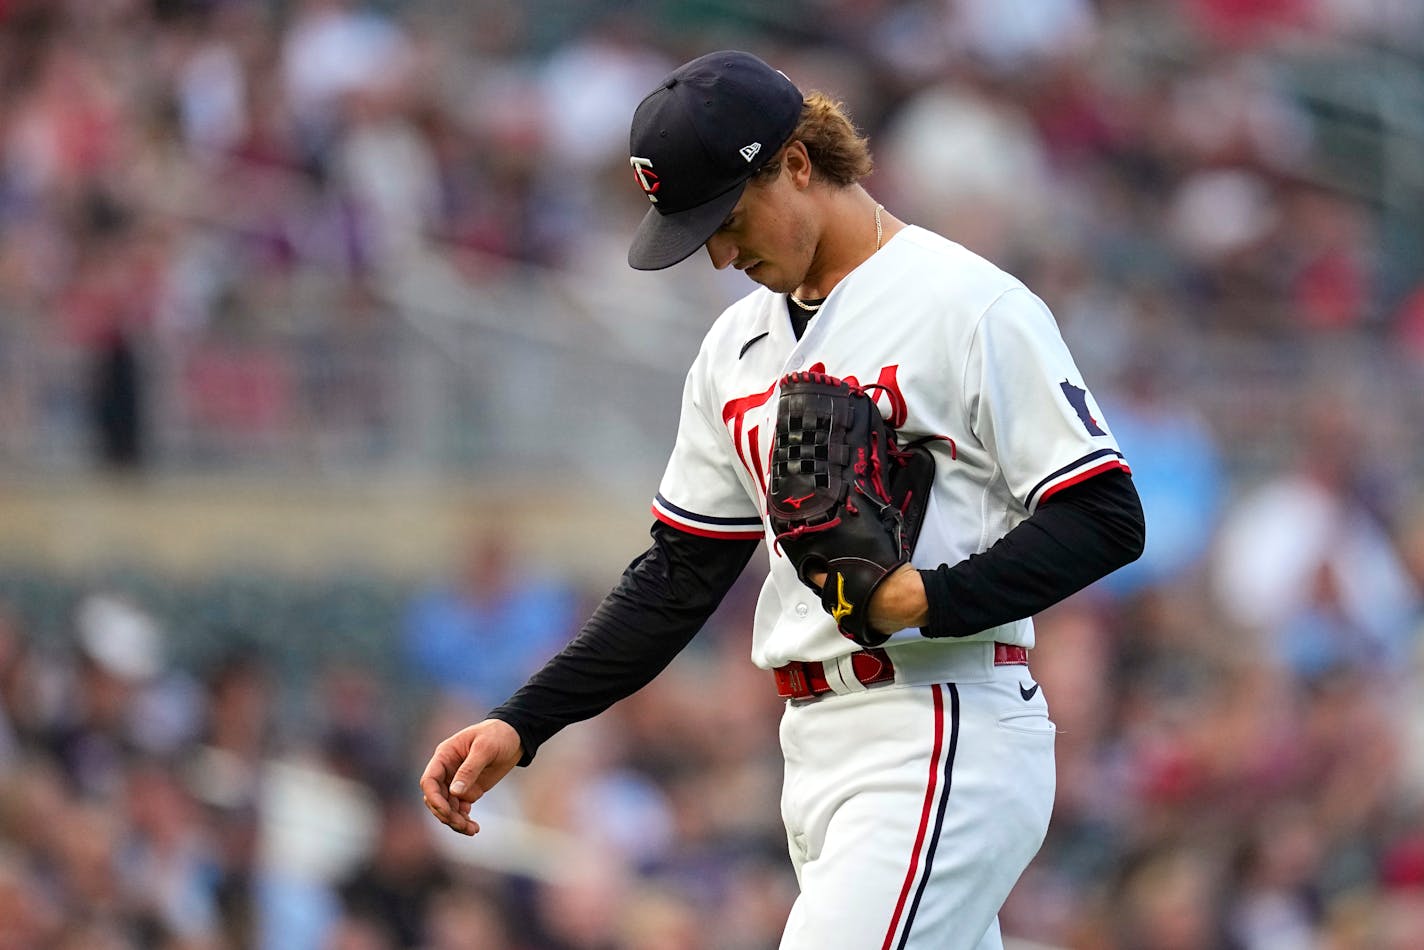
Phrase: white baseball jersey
[963,350]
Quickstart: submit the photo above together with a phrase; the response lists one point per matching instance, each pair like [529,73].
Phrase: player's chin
[768,278]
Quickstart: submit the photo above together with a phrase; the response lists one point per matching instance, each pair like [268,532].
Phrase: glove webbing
[817,464]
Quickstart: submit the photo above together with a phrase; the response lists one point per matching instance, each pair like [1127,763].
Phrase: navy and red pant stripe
[927,835]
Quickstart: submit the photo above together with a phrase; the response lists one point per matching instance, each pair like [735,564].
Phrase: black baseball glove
[845,497]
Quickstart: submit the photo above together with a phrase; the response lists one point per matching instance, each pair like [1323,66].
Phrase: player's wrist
[900,601]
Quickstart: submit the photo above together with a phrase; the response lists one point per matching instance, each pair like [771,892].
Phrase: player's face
[768,235]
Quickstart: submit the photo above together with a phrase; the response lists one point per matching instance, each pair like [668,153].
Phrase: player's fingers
[456,817]
[469,783]
[462,823]
[480,773]
[455,821]
[438,806]
[434,781]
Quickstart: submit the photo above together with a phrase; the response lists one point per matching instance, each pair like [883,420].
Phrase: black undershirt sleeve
[1082,533]
[662,600]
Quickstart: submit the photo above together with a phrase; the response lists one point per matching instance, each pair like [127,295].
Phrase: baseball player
[919,771]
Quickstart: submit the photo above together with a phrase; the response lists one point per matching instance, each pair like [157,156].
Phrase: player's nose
[721,250]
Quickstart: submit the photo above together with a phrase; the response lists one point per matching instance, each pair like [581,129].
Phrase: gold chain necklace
[879,237]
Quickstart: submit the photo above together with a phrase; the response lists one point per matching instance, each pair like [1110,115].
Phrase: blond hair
[839,154]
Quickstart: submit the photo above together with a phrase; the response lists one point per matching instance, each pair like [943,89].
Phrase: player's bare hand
[898,602]
[464,767]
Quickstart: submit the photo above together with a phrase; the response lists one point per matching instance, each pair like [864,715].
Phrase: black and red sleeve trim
[1094,463]
[706,526]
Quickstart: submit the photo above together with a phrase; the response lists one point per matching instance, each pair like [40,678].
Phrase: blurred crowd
[206,205]
[1220,200]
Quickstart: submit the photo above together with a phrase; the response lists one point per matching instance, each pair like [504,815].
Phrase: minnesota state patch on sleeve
[1078,399]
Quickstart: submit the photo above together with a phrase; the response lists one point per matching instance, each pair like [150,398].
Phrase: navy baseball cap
[696,140]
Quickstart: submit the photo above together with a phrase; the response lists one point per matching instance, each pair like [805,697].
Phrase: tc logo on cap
[647,180]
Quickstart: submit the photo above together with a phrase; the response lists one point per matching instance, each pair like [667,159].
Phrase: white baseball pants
[911,810]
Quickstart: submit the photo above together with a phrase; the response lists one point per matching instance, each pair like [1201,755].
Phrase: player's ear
[797,163]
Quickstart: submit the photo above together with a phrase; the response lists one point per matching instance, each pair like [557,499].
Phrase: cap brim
[663,240]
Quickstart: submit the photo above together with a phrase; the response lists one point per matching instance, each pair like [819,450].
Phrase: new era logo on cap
[696,140]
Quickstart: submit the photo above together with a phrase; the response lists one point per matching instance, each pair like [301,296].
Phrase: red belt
[804,679]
